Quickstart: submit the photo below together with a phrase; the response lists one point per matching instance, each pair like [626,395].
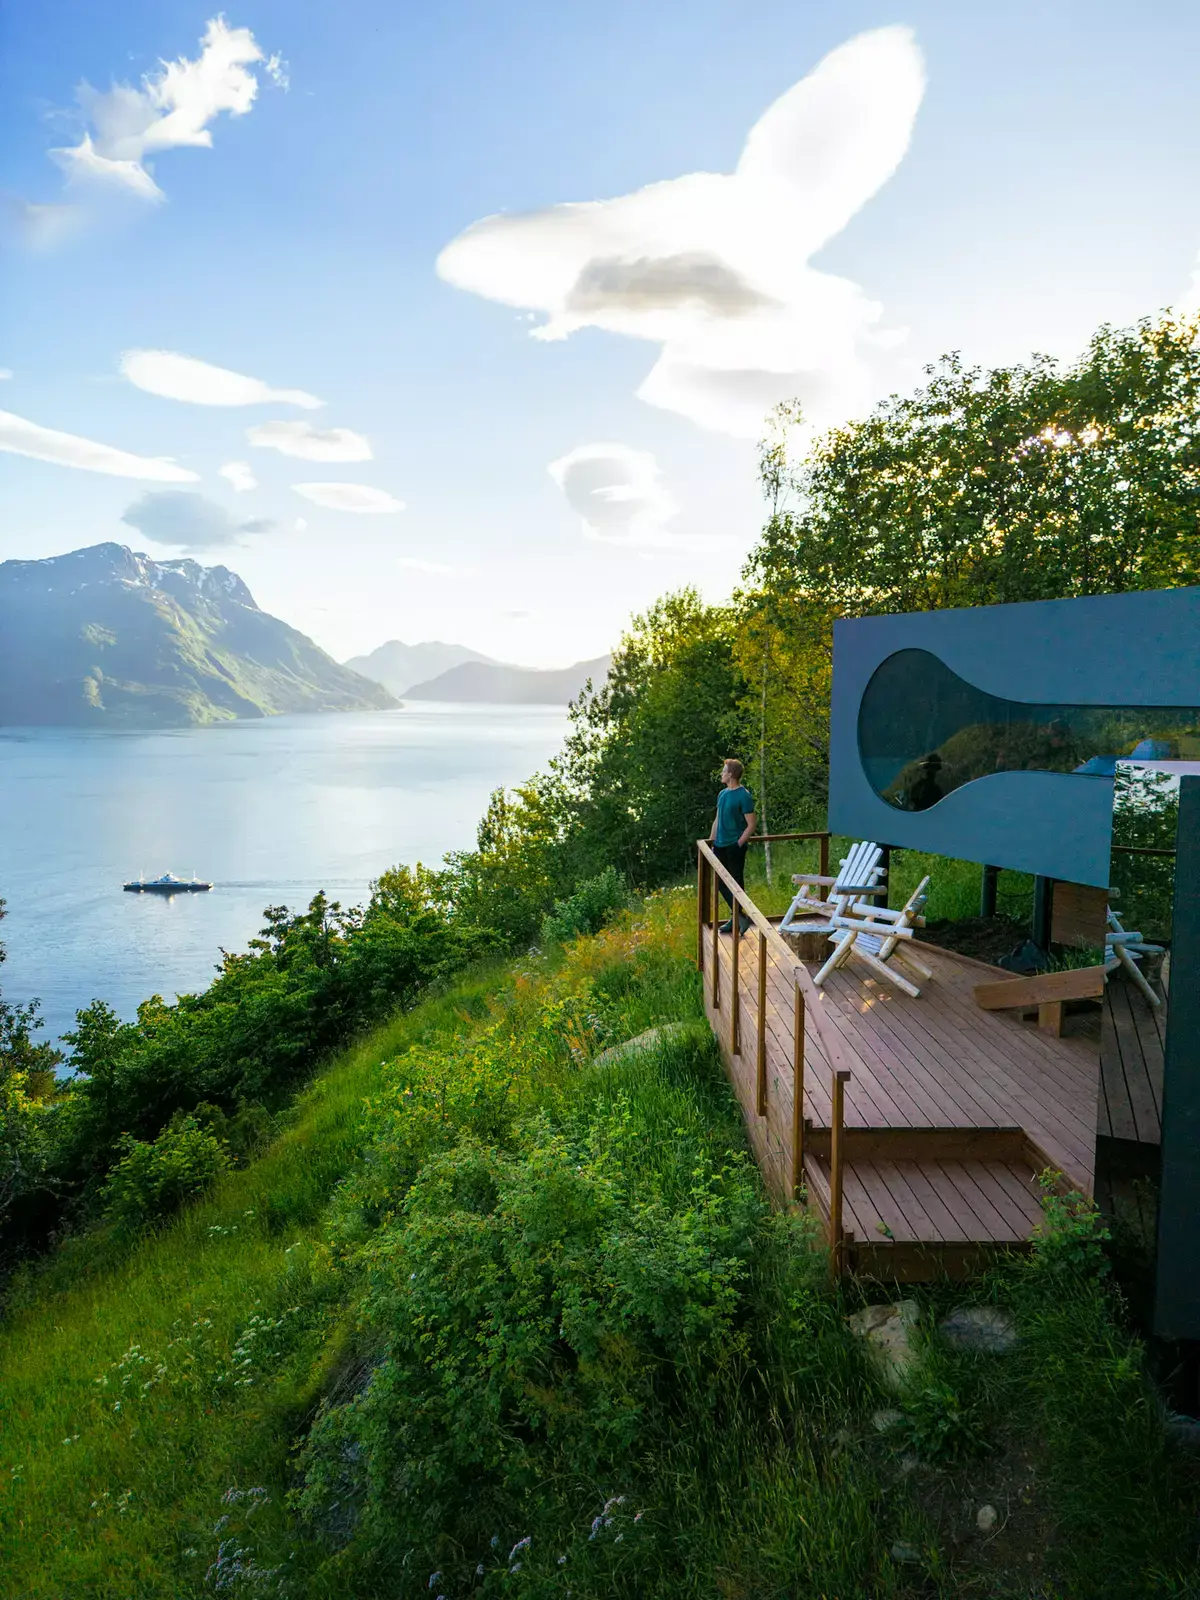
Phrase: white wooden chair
[1125,949]
[858,877]
[877,936]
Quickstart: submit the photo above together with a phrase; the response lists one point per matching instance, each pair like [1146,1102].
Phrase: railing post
[701,886]
[797,1092]
[735,993]
[760,1069]
[716,938]
[836,1238]
[823,864]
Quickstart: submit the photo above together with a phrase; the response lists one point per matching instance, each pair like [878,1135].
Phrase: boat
[167,884]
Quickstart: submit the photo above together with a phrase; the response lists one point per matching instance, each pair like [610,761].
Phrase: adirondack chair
[1126,949]
[857,878]
[876,936]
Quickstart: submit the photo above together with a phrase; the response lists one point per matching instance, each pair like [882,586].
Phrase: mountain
[398,666]
[494,684]
[105,637]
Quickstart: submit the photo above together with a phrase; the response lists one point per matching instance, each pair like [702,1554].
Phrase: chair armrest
[811,877]
[885,930]
[863,889]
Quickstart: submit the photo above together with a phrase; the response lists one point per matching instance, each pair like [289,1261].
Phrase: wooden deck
[950,1112]
[1131,1065]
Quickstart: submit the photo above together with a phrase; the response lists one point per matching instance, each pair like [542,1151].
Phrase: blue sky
[1051,182]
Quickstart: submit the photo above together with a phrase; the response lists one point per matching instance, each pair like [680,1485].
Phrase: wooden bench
[1046,993]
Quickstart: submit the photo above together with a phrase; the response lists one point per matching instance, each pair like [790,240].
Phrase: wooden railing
[807,1011]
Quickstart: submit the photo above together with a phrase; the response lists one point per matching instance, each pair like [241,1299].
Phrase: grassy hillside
[503,1311]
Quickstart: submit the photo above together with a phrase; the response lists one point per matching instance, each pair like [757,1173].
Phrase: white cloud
[177,517]
[713,267]
[618,493]
[300,525]
[348,497]
[239,474]
[432,569]
[301,439]
[177,377]
[25,438]
[172,108]
[5,374]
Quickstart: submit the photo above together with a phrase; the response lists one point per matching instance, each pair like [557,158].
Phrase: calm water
[270,811]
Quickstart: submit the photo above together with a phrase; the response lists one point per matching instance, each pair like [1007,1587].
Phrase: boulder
[979,1328]
[665,1033]
[886,1332]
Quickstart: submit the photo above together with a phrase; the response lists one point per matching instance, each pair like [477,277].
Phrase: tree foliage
[642,764]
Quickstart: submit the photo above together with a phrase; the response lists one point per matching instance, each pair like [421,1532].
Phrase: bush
[154,1179]
[587,910]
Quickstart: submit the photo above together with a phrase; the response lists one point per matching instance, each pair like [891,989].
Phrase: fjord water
[270,811]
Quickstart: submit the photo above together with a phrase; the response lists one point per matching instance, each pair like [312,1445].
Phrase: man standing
[731,830]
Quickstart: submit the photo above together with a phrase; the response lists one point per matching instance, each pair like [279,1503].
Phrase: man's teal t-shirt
[733,807]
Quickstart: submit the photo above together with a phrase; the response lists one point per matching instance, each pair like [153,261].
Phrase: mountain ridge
[397,666]
[473,683]
[106,636]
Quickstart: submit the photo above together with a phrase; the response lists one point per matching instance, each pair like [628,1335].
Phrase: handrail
[1142,850]
[814,998]
[710,874]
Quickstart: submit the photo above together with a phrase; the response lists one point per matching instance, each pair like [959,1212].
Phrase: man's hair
[735,766]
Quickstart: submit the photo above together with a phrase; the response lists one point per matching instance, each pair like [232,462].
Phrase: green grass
[99,1501]
[750,1451]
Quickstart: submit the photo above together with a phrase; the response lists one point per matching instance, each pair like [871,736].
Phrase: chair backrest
[861,869]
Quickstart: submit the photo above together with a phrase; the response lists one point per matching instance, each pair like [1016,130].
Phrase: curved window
[924,731]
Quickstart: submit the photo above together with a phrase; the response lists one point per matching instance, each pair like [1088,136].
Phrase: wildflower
[495,1541]
[434,1577]
[561,1560]
[479,1570]
[516,1567]
[522,1544]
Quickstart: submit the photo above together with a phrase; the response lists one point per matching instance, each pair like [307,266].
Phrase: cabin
[919,1099]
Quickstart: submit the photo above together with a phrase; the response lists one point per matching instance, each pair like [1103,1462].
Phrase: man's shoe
[726,927]
[744,925]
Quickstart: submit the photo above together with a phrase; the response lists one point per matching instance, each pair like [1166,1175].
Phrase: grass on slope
[525,1327]
[133,1394]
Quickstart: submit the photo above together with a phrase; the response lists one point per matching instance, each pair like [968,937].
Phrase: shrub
[154,1179]
[587,909]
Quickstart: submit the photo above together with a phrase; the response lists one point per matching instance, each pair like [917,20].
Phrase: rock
[905,1552]
[1184,1430]
[887,1334]
[666,1032]
[979,1328]
[986,1518]
[881,1421]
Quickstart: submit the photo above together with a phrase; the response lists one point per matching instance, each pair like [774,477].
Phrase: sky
[462,321]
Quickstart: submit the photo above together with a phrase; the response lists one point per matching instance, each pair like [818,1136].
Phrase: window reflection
[923,731]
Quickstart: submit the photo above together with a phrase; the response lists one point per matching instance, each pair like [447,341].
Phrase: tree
[642,763]
[1022,483]
[27,1092]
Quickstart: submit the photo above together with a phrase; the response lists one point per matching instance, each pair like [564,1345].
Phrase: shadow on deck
[917,1128]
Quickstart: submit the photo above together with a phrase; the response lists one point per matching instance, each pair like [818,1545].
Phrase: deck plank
[935,1062]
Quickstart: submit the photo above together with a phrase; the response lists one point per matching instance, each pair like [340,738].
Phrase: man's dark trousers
[733,858]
